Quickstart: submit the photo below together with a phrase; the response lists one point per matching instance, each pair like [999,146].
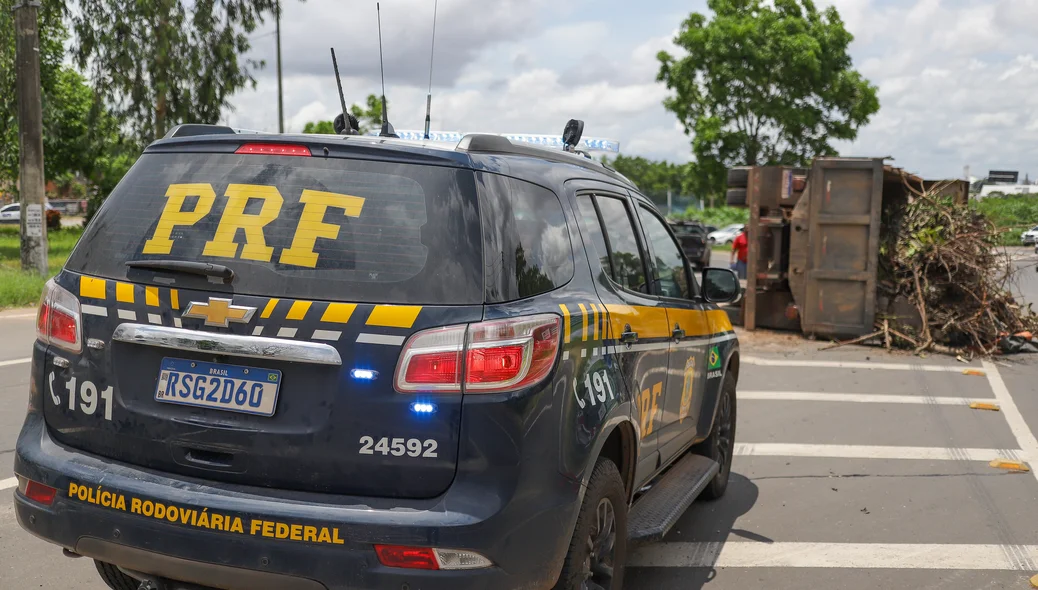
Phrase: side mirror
[720,285]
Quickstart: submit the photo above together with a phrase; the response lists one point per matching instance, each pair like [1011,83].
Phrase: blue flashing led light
[423,408]
[364,374]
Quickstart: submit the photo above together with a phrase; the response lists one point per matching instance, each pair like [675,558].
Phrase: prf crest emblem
[687,387]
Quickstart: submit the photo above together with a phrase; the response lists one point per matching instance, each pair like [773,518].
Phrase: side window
[668,259]
[526,247]
[628,267]
[597,247]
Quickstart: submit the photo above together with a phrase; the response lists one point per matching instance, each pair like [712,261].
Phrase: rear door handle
[628,336]
[678,333]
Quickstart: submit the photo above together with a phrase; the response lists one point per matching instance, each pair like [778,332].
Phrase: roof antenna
[387,128]
[428,98]
[344,124]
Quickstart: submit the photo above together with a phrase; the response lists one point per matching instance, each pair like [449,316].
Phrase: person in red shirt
[740,253]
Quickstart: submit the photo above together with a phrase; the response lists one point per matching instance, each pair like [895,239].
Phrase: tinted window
[298,227]
[526,240]
[628,269]
[667,257]
[593,230]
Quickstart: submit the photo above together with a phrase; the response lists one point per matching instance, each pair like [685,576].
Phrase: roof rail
[191,129]
[497,144]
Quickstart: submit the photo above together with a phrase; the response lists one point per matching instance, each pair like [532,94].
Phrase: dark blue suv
[326,362]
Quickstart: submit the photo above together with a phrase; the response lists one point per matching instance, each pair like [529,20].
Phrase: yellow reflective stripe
[338,313]
[124,292]
[583,316]
[719,321]
[269,309]
[91,287]
[693,321]
[394,316]
[298,310]
[597,317]
[174,298]
[151,296]
[565,321]
[648,322]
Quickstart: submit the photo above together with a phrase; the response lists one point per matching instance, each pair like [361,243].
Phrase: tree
[651,177]
[764,83]
[369,115]
[163,62]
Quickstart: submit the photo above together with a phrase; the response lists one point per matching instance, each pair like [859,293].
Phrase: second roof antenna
[428,98]
[387,128]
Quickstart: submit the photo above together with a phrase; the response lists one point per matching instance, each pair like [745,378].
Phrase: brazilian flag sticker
[715,359]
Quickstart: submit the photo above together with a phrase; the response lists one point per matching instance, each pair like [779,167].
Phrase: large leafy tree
[764,82]
[164,62]
[80,136]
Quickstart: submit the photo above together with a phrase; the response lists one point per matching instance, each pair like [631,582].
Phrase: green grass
[1012,214]
[19,288]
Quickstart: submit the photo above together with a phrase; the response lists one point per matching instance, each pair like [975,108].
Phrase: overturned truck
[815,236]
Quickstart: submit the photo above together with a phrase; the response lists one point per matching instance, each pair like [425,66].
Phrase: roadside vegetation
[19,288]
[1011,214]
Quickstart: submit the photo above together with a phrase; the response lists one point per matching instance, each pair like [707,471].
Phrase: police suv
[331,362]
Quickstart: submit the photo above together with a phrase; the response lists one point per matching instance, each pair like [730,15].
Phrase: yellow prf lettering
[235,218]
[648,405]
[312,226]
[174,215]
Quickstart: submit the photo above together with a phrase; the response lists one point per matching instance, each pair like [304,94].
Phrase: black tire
[115,578]
[605,491]
[738,177]
[720,445]
[736,197]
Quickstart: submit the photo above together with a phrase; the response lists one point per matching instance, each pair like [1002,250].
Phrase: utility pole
[30,136]
[281,102]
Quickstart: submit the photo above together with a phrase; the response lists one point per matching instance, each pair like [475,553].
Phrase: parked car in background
[726,234]
[12,214]
[692,236]
[1030,237]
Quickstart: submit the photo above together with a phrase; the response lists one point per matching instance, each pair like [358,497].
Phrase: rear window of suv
[316,228]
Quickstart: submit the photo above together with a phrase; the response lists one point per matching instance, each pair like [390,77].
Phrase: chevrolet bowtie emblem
[219,312]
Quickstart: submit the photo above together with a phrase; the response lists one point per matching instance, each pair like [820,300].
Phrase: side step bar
[653,515]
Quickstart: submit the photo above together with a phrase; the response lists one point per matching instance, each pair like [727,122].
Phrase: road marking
[10,482]
[876,452]
[1017,424]
[17,316]
[753,360]
[15,362]
[867,398]
[837,555]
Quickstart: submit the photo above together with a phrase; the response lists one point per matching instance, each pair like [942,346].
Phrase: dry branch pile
[943,260]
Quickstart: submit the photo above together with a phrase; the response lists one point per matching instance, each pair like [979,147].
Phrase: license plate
[221,387]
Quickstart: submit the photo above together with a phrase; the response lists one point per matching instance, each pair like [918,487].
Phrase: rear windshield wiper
[206,269]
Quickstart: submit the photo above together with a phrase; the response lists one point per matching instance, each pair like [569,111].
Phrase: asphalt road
[867,471]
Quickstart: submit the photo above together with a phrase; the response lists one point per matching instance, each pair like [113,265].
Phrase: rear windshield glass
[297,227]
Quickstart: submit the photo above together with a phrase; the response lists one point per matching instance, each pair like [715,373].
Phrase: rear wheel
[598,551]
[720,446]
[115,578]
[738,177]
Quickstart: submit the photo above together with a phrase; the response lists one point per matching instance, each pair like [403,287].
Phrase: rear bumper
[283,541]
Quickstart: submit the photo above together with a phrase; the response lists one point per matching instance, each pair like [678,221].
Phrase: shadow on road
[709,524]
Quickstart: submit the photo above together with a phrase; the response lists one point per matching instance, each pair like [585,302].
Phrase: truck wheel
[738,177]
[736,197]
[598,552]
[115,578]
[720,446]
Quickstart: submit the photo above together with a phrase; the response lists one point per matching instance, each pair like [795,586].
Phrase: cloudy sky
[958,79]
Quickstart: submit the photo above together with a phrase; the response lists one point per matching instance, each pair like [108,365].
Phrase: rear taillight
[426,558]
[493,356]
[58,321]
[36,491]
[273,149]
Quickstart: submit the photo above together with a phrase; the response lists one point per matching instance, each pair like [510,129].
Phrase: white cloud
[958,79]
